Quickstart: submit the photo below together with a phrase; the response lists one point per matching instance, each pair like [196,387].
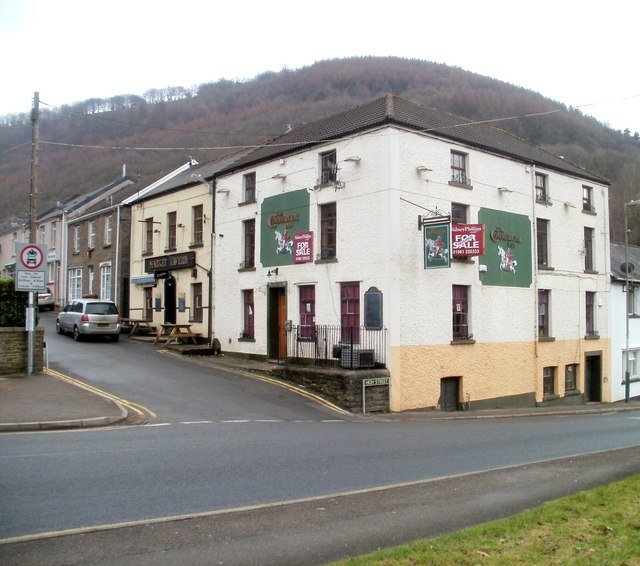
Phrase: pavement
[48,400]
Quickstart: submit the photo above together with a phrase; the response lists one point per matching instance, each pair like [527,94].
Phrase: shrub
[13,304]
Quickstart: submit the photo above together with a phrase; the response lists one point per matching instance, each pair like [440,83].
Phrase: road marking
[196,422]
[135,407]
[236,421]
[157,424]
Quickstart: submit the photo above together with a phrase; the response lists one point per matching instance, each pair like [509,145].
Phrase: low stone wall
[342,386]
[14,348]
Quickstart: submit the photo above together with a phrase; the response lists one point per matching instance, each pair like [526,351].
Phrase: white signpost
[31,276]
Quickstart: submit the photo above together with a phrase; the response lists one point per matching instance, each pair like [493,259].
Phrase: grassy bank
[600,526]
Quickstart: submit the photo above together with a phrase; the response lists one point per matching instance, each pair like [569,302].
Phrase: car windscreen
[101,308]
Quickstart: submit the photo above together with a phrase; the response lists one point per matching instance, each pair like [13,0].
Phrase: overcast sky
[581,54]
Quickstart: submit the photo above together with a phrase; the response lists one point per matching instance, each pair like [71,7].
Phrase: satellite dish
[627,267]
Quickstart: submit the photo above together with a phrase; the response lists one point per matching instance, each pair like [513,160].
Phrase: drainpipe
[116,286]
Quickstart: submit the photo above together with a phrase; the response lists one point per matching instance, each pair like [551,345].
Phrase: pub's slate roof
[393,110]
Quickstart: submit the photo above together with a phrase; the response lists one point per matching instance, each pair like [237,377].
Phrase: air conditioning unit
[356,358]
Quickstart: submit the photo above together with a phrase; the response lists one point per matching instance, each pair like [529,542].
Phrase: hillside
[84,145]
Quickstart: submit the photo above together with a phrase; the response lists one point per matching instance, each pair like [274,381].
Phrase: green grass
[599,527]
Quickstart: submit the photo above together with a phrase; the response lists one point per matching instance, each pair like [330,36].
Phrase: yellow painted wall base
[489,370]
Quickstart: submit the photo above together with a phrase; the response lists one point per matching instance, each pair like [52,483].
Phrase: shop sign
[186,260]
[437,245]
[467,240]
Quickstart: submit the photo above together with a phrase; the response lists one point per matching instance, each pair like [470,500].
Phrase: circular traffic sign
[31,257]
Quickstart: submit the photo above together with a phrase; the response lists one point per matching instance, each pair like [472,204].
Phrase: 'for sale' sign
[467,240]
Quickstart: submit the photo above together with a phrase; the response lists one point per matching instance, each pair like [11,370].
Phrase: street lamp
[627,268]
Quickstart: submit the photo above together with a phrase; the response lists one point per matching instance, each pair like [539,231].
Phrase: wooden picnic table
[135,325]
[178,332]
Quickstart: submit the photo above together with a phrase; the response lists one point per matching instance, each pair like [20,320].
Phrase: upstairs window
[459,213]
[148,236]
[108,230]
[542,191]
[542,241]
[249,187]
[328,167]
[198,224]
[588,249]
[587,199]
[543,313]
[590,313]
[459,168]
[328,231]
[171,230]
[460,312]
[76,240]
[91,235]
[249,229]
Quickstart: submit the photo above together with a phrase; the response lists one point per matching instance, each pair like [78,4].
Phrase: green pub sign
[281,218]
[507,255]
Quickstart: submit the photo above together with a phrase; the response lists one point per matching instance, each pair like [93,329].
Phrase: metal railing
[352,347]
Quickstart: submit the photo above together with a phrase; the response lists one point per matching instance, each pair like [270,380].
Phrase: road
[223,442]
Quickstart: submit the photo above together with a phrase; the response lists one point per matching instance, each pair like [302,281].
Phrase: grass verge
[600,526]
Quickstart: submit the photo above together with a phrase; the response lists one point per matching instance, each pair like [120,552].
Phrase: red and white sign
[303,247]
[31,257]
[467,240]
[31,267]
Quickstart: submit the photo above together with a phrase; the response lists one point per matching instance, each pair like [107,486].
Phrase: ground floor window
[350,311]
[105,281]
[75,283]
[196,302]
[570,377]
[549,381]
[148,303]
[307,311]
[460,312]
[248,314]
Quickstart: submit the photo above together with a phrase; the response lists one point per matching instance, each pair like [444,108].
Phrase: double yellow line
[142,411]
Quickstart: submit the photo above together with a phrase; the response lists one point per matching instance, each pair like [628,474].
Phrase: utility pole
[33,228]
[35,142]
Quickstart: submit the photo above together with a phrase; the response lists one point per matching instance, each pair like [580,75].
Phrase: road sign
[31,267]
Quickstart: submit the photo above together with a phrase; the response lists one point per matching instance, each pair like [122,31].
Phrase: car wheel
[76,334]
[115,337]
[59,328]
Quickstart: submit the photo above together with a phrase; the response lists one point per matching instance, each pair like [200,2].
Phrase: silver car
[46,300]
[90,317]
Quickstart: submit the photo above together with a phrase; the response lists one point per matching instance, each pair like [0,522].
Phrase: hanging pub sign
[437,245]
[303,247]
[467,240]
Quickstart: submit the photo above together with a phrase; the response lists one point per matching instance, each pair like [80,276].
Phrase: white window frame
[108,229]
[76,239]
[91,234]
[105,281]
[75,283]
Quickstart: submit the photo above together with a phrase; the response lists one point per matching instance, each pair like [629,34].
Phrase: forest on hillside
[84,145]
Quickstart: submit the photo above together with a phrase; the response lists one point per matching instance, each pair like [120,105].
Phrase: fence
[350,347]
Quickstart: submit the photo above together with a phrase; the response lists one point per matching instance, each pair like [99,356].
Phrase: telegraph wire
[289,144]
